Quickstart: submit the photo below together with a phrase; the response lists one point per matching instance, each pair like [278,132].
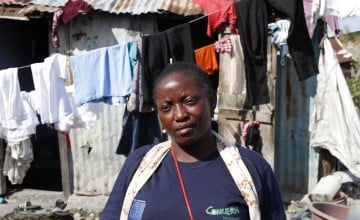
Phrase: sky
[349,24]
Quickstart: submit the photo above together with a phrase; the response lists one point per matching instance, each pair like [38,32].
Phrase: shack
[90,165]
[86,161]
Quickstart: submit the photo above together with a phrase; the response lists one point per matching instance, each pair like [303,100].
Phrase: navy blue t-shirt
[211,190]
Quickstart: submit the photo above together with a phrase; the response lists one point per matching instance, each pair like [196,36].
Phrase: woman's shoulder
[248,152]
[139,153]
[253,158]
[151,150]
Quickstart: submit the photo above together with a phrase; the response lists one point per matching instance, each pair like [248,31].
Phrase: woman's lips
[184,129]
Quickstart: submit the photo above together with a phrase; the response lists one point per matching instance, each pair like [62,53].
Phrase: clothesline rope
[195,19]
[204,16]
[23,67]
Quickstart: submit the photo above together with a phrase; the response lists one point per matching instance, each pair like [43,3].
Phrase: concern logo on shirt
[229,211]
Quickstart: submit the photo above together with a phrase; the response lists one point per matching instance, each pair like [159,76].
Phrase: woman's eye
[190,101]
[165,108]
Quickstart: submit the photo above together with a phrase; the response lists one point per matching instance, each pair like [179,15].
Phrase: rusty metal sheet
[133,7]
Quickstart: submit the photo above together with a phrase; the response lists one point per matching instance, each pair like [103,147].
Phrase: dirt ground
[44,206]
[90,207]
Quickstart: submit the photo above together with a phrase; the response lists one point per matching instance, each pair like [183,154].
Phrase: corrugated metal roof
[24,12]
[134,7]
[52,3]
[12,13]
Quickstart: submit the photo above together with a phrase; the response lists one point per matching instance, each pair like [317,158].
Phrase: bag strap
[228,152]
[239,172]
[147,167]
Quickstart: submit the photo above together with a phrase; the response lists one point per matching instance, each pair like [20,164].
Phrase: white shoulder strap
[147,167]
[243,180]
[228,152]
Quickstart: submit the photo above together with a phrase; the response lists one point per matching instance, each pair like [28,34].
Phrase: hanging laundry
[27,126]
[2,132]
[232,88]
[83,116]
[219,12]
[205,58]
[313,11]
[342,9]
[299,42]
[255,54]
[198,28]
[54,28]
[18,156]
[223,46]
[279,32]
[140,124]
[133,52]
[70,10]
[251,136]
[12,111]
[333,27]
[316,10]
[73,8]
[254,30]
[138,129]
[102,75]
[49,79]
[157,49]
[135,101]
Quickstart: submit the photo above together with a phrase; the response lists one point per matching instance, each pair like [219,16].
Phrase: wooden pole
[2,177]
[65,167]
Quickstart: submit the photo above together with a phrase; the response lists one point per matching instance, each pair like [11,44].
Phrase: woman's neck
[195,151]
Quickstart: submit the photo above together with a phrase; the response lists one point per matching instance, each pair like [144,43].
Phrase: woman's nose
[180,112]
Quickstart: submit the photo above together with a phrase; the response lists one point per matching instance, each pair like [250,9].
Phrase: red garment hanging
[219,11]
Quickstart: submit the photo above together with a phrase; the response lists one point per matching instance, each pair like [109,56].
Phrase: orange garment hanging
[205,58]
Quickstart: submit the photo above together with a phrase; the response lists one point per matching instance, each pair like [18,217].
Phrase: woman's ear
[213,101]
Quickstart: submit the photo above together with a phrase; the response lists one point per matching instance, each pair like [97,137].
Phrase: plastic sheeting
[335,124]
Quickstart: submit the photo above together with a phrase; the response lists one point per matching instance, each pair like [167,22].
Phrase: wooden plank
[264,117]
[66,177]
[231,127]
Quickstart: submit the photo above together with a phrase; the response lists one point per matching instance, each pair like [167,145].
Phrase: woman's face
[184,109]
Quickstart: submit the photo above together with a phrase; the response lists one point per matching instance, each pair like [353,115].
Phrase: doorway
[24,43]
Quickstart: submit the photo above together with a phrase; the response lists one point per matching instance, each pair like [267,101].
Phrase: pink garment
[54,32]
[308,16]
[223,46]
[219,11]
[333,23]
[247,126]
[313,14]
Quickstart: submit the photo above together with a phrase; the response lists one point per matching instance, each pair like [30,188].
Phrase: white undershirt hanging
[11,107]
[49,81]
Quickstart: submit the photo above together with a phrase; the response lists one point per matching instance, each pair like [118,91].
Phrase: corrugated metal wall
[296,163]
[93,162]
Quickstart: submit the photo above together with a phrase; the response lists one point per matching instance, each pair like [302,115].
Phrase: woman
[196,174]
